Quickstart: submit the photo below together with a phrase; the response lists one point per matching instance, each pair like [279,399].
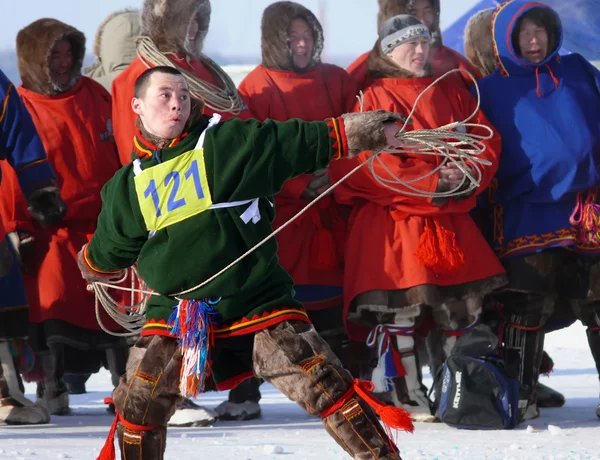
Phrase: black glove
[6,258]
[46,206]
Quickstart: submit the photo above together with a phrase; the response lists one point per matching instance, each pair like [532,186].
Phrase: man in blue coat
[23,149]
[546,217]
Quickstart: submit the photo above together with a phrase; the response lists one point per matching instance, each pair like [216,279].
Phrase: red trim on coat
[233,382]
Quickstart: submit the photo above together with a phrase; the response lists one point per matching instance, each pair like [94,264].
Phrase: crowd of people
[151,157]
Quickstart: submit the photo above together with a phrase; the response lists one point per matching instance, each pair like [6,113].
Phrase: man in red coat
[172,34]
[391,281]
[441,57]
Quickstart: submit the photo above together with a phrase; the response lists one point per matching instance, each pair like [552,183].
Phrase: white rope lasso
[456,147]
[221,98]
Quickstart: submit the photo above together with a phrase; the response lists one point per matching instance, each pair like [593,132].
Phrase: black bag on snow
[474,389]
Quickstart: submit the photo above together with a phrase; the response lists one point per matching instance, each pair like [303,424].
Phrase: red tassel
[108,451]
[323,251]
[438,250]
[400,370]
[392,417]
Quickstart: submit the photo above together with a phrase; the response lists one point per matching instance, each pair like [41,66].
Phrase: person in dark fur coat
[246,321]
[292,82]
[442,58]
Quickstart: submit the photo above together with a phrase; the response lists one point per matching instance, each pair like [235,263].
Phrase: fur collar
[276,54]
[479,44]
[34,48]
[391,8]
[166,22]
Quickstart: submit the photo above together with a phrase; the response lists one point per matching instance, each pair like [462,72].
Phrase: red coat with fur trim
[76,130]
[311,249]
[442,60]
[385,226]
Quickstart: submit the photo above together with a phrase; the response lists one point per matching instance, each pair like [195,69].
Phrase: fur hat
[167,23]
[391,8]
[34,49]
[479,45]
[276,20]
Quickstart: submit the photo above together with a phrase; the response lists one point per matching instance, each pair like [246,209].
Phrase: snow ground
[284,424]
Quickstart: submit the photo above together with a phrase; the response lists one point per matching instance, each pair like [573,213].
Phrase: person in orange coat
[391,281]
[72,115]
[441,57]
[292,82]
[172,33]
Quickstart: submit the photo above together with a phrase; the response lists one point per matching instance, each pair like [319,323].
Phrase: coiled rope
[221,98]
[457,147]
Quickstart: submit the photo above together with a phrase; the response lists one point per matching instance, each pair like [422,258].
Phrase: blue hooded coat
[548,116]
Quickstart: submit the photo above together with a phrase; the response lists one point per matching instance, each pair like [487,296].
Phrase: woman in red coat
[72,115]
[389,279]
[292,82]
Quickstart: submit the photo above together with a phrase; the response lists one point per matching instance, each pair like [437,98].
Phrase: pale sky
[350,25]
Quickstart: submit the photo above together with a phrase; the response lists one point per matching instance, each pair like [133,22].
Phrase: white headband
[408,33]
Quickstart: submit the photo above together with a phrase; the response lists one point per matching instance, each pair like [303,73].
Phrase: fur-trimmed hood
[381,66]
[391,8]
[479,45]
[115,46]
[34,48]
[167,22]
[276,53]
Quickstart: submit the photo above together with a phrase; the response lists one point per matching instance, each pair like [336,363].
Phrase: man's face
[411,55]
[164,108]
[533,41]
[301,43]
[423,10]
[61,63]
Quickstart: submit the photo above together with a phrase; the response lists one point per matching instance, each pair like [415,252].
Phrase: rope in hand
[221,98]
[459,148]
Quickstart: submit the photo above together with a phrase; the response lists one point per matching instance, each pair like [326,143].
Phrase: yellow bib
[174,190]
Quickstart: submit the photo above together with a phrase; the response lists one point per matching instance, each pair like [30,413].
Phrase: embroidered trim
[92,267]
[233,382]
[24,168]
[499,63]
[5,102]
[531,243]
[256,323]
[336,133]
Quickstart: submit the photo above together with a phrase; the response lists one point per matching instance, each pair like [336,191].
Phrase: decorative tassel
[192,323]
[393,418]
[108,451]
[438,249]
[586,217]
[389,364]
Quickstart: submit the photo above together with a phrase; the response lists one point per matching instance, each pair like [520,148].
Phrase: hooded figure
[72,115]
[390,282]
[173,33]
[543,217]
[292,82]
[441,57]
[115,46]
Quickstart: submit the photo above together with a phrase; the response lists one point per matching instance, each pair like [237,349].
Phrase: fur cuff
[365,130]
[91,273]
